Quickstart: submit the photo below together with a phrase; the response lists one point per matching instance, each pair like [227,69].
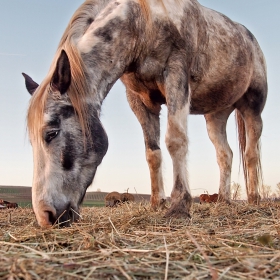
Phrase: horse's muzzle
[48,215]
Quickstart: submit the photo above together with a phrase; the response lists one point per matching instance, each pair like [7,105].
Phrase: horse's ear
[31,86]
[61,78]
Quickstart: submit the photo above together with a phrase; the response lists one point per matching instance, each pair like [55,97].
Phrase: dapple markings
[178,53]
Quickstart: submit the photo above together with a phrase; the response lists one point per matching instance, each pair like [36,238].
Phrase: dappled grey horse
[173,52]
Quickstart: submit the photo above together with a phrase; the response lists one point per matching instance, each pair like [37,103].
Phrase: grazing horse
[12,205]
[208,198]
[173,52]
[4,201]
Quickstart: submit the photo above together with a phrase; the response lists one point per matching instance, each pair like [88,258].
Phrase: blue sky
[29,34]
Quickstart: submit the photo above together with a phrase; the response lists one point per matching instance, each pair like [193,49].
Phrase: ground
[133,242]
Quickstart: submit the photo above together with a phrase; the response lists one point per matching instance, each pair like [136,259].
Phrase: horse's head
[66,148]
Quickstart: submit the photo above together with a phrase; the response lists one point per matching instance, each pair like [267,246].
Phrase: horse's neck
[105,50]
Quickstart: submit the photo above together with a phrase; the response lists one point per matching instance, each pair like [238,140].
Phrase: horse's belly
[208,97]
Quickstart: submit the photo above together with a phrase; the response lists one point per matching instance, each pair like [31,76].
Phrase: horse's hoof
[177,214]
[162,204]
[158,204]
[180,207]
[178,210]
[253,201]
[224,200]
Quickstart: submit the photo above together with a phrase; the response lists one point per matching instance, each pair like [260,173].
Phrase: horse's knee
[176,144]
[154,158]
[224,157]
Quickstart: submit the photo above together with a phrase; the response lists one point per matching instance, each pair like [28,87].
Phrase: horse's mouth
[67,217]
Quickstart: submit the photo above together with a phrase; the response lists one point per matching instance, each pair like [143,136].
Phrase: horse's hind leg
[250,151]
[216,127]
[151,129]
[249,121]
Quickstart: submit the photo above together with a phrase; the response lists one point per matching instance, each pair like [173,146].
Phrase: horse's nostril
[62,216]
[45,214]
[51,216]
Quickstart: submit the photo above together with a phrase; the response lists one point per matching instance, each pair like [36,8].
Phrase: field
[132,242]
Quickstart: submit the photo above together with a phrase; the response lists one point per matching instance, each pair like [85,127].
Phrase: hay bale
[127,197]
[112,199]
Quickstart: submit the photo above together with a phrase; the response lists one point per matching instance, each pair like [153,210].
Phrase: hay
[131,242]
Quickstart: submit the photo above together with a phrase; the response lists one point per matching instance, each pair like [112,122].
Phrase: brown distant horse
[176,53]
[4,201]
[12,205]
[203,198]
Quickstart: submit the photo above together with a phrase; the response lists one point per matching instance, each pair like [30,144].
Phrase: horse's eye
[50,135]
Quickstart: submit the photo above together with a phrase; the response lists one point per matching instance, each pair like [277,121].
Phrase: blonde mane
[146,10]
[78,88]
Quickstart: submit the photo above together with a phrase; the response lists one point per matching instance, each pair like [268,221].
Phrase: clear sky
[29,34]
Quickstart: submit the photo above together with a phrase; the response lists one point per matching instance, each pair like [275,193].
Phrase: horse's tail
[242,148]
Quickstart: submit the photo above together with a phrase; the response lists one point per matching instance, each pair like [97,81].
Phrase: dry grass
[131,242]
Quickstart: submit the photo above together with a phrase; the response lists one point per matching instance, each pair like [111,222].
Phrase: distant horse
[208,198]
[12,205]
[112,199]
[173,52]
[4,201]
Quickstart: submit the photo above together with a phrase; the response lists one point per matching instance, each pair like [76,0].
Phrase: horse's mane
[146,10]
[78,88]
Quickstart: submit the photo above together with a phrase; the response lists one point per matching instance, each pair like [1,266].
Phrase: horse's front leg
[177,99]
[151,129]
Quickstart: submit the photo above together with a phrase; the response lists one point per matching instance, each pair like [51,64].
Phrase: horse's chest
[147,86]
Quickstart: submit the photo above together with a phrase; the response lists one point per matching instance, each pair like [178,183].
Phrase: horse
[12,205]
[176,53]
[112,199]
[4,201]
[203,198]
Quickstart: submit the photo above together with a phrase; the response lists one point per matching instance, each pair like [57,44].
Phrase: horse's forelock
[78,89]
[76,93]
[35,112]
